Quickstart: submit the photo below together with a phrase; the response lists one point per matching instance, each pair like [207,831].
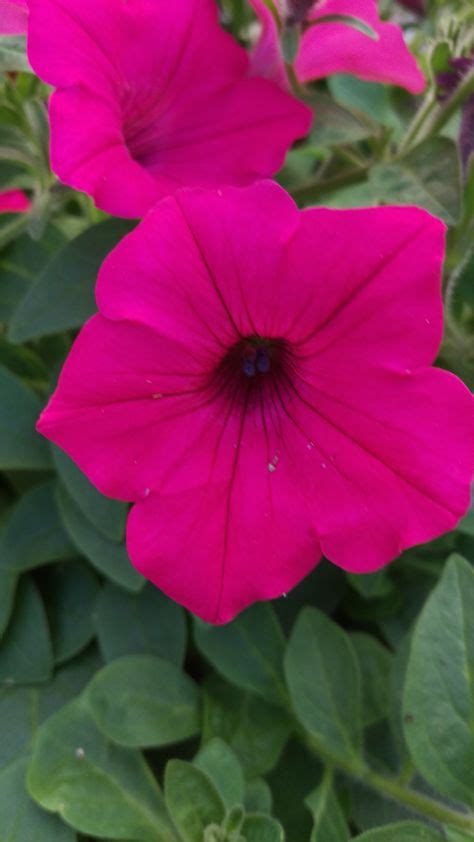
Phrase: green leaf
[71,592]
[8,582]
[21,448]
[221,764]
[467,523]
[96,787]
[324,681]
[258,796]
[455,835]
[19,263]
[428,176]
[401,832]
[63,295]
[192,800]
[329,822]
[140,700]
[375,662]
[109,557]
[367,99]
[13,54]
[108,516]
[25,650]
[33,534]
[289,790]
[23,709]
[253,728]
[371,585]
[258,828]
[20,819]
[439,689]
[248,651]
[147,623]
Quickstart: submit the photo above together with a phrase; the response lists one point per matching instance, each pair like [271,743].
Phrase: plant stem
[390,787]
[433,116]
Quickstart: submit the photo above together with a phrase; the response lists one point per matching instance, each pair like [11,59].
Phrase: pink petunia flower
[154,95]
[13,17]
[14,201]
[334,47]
[258,382]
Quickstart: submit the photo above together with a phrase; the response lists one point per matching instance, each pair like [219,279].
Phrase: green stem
[392,788]
[432,117]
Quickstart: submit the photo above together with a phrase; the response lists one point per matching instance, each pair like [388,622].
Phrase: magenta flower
[154,95]
[14,201]
[13,17]
[334,47]
[258,382]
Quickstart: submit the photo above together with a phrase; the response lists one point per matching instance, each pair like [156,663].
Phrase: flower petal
[382,302]
[217,257]
[226,544]
[392,455]
[13,17]
[164,100]
[338,48]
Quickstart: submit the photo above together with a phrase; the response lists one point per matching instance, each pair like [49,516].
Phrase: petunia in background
[152,96]
[14,201]
[258,382]
[334,47]
[13,17]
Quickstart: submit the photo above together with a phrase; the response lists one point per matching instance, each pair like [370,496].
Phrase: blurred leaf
[323,677]
[253,728]
[192,800]
[8,582]
[439,689]
[20,819]
[329,822]
[428,176]
[369,98]
[147,623]
[71,591]
[406,831]
[96,787]
[375,662]
[248,651]
[221,764]
[108,516]
[23,709]
[296,775]
[13,54]
[23,362]
[467,523]
[455,835]
[262,829]
[33,533]
[63,295]
[25,650]
[19,262]
[140,700]
[258,796]
[20,446]
[335,125]
[109,557]
[324,588]
[371,585]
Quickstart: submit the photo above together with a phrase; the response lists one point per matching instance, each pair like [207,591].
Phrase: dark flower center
[252,365]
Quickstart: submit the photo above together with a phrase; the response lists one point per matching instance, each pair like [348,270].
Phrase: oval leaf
[140,700]
[439,687]
[96,787]
[192,800]
[324,682]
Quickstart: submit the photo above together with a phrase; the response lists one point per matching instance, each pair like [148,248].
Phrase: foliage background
[345,710]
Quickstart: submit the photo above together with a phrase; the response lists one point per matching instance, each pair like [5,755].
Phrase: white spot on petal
[310,445]
[146,492]
[156,395]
